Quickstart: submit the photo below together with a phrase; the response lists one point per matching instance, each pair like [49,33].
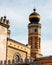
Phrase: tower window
[39,42]
[30,40]
[36,45]
[35,30]
[36,39]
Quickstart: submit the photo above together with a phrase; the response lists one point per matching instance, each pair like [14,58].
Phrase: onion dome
[34,17]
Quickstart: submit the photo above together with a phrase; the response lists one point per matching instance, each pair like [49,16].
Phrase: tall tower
[34,34]
[4,33]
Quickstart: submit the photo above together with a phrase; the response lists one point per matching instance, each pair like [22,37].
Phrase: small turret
[4,22]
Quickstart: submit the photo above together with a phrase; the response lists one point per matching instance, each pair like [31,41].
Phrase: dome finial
[34,17]
[34,9]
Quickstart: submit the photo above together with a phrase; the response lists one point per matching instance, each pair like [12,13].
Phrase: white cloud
[46,47]
[21,38]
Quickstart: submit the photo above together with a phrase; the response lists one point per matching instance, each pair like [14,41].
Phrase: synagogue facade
[12,49]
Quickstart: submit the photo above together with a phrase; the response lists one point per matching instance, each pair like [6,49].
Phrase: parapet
[4,22]
[21,62]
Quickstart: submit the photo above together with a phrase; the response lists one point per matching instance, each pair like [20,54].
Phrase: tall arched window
[16,57]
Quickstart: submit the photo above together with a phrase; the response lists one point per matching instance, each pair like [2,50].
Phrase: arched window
[16,57]
[35,30]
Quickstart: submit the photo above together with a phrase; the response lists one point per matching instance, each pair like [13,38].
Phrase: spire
[34,9]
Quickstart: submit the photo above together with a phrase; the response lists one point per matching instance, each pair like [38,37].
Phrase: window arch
[16,57]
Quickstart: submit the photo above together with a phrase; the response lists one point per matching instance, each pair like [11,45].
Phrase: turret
[4,34]
[4,22]
[34,34]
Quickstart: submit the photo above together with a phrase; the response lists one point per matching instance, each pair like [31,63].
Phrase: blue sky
[18,11]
